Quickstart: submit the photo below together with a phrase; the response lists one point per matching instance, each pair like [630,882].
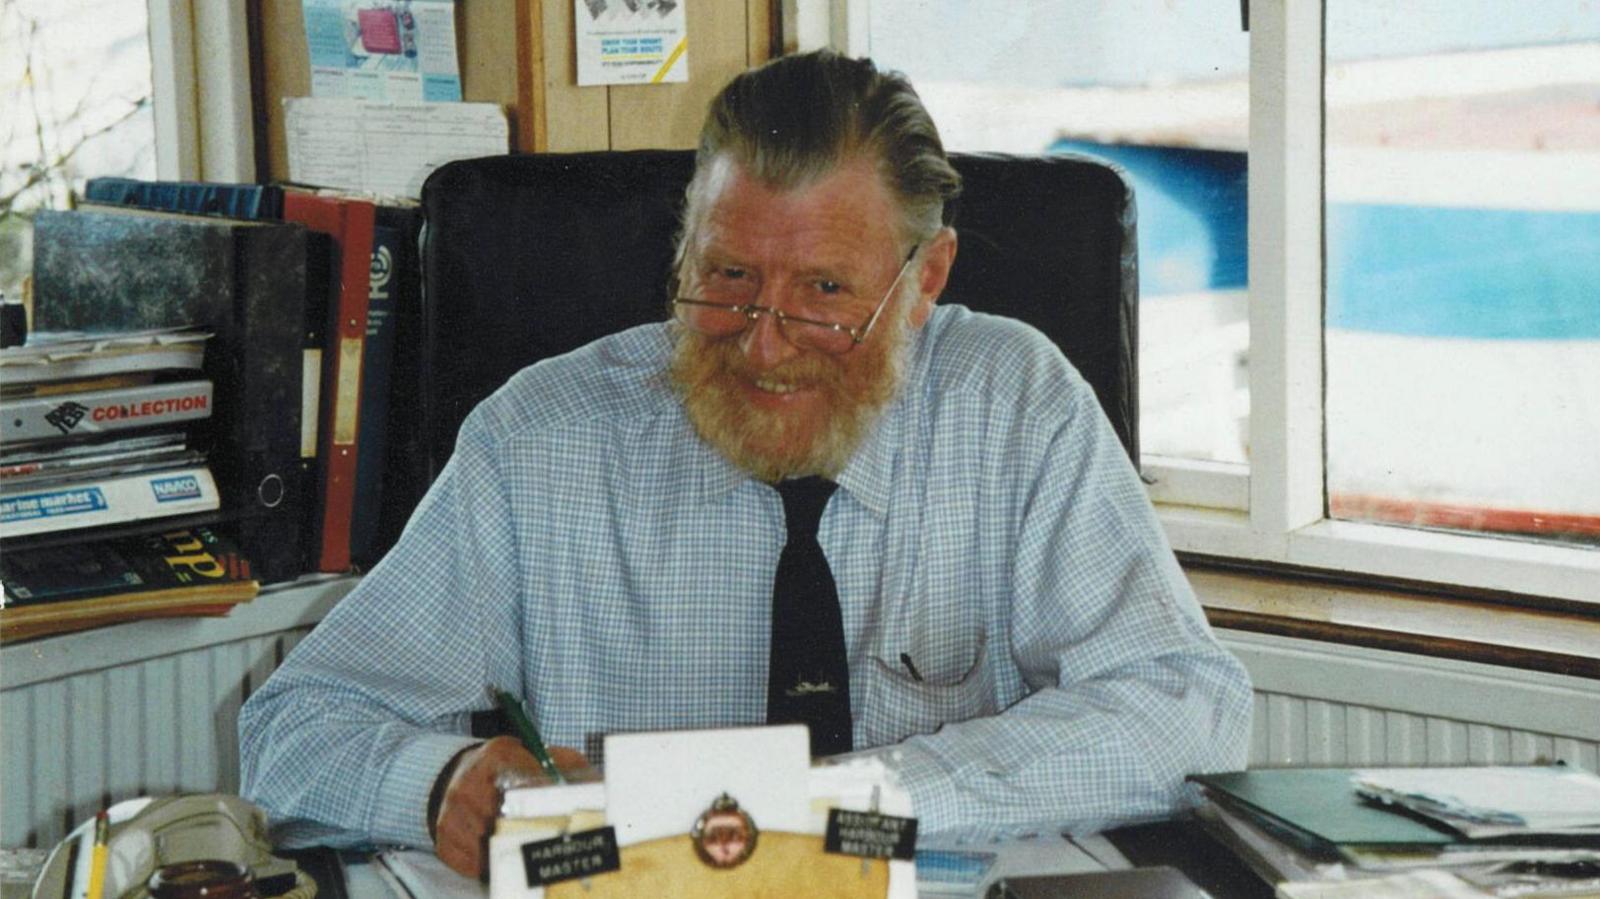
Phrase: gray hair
[798,118]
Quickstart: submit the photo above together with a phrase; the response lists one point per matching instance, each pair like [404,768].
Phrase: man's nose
[763,343]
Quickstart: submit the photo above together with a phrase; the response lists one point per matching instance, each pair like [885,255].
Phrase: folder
[1318,809]
[113,269]
[349,223]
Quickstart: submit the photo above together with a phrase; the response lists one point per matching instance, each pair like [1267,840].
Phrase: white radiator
[93,718]
[1320,704]
[97,717]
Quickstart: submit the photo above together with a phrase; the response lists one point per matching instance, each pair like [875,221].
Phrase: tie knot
[803,501]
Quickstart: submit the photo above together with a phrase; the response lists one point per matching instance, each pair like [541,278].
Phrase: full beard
[773,445]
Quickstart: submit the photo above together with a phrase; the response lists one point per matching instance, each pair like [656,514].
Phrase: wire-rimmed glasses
[833,338]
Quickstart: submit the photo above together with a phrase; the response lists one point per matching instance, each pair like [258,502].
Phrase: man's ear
[937,258]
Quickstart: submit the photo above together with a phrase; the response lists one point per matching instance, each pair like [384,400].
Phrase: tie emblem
[808,688]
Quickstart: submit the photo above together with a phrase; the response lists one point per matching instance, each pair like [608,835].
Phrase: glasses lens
[820,338]
[717,321]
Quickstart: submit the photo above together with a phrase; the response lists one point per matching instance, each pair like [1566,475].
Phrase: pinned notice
[631,41]
[391,51]
[384,150]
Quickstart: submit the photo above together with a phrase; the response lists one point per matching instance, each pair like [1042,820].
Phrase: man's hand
[472,799]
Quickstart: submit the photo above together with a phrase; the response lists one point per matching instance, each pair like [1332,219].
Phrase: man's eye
[829,288]
[732,273]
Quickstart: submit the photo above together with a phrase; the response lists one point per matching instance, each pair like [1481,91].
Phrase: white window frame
[1274,510]
[200,78]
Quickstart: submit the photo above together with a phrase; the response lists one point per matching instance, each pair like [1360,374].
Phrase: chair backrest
[526,257]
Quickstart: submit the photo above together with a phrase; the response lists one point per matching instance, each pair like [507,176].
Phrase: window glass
[1159,88]
[1463,265]
[76,90]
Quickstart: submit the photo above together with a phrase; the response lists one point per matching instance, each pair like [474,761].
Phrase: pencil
[528,734]
[97,861]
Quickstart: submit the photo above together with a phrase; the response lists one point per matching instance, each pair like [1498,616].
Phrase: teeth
[775,386]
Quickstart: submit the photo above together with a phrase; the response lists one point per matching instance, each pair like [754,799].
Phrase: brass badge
[723,835]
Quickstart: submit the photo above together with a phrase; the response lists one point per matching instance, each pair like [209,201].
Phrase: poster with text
[385,51]
[631,41]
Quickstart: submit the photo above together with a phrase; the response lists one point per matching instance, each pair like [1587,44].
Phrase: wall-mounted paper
[390,51]
[386,150]
[631,41]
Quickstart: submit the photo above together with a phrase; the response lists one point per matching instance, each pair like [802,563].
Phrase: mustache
[725,360]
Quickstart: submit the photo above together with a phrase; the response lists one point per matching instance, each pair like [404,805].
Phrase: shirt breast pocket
[952,688]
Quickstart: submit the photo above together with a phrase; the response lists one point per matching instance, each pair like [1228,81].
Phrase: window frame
[200,82]
[1274,510]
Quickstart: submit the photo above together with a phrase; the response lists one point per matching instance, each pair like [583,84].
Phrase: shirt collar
[870,472]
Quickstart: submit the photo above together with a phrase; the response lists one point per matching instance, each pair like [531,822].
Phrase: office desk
[1181,844]
[1185,845]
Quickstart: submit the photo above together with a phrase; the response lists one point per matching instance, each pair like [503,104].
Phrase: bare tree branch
[41,172]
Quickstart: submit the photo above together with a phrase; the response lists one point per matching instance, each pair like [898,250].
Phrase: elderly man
[645,534]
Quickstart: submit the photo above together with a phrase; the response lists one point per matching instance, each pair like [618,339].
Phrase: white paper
[552,801]
[658,784]
[1544,798]
[1418,885]
[386,150]
[392,51]
[414,873]
[631,41]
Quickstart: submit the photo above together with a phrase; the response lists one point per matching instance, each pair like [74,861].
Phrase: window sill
[1454,627]
[1523,572]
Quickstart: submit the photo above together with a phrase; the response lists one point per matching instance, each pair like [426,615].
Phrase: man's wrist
[440,785]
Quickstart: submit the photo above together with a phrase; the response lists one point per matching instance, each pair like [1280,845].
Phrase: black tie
[809,678]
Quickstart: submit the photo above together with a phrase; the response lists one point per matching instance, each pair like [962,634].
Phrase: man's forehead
[847,206]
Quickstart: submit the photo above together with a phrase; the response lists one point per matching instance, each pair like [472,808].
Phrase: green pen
[528,734]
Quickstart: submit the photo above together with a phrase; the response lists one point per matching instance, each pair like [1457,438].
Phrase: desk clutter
[175,847]
[100,433]
[1525,831]
[759,821]
[201,406]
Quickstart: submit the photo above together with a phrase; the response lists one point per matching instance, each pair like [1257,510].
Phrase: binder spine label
[347,401]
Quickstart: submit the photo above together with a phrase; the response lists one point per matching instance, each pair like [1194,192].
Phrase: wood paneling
[521,54]
[576,118]
[286,69]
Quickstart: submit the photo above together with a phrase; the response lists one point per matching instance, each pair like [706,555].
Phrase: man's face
[825,250]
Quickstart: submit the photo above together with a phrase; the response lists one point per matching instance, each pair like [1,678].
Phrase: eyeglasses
[832,338]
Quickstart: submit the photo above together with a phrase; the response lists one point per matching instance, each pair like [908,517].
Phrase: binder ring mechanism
[271,491]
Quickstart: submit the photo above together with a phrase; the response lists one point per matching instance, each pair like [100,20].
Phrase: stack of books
[1531,831]
[103,484]
[363,279]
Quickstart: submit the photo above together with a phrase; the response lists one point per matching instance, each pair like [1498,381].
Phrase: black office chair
[525,257]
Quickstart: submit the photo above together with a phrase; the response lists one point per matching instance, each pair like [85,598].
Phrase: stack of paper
[1485,803]
[1525,831]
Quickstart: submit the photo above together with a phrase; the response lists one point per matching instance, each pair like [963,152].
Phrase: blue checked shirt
[584,549]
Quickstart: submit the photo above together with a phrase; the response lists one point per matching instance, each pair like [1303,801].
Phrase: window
[1160,90]
[115,87]
[1309,482]
[1463,266]
[77,87]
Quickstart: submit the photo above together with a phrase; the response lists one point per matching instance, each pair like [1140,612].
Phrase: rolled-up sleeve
[342,743]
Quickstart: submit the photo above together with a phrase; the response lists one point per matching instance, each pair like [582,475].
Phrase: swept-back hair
[798,118]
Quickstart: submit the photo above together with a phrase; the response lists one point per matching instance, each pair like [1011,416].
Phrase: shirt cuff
[933,796]
[921,774]
[400,814]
